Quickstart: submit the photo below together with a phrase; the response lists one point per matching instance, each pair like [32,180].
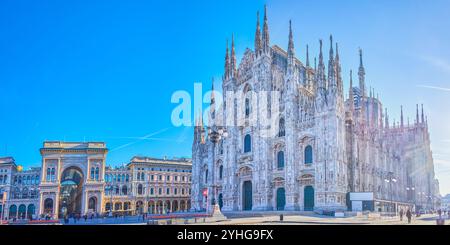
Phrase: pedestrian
[408,215]
[401,214]
[439,213]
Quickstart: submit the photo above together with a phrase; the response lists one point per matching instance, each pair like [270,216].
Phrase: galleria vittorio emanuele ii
[74,181]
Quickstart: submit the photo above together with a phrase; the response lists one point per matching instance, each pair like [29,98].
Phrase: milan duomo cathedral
[326,147]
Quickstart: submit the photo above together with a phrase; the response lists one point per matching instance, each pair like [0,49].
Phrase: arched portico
[71,192]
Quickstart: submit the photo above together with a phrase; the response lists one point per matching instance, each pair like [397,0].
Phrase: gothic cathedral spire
[361,74]
[265,34]
[350,93]
[401,117]
[321,80]
[423,116]
[331,68]
[227,63]
[233,58]
[307,56]
[339,82]
[417,114]
[386,118]
[257,37]
[291,54]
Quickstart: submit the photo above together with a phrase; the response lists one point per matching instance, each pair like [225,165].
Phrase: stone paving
[311,219]
[326,220]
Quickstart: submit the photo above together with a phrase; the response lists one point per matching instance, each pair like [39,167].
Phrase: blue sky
[106,70]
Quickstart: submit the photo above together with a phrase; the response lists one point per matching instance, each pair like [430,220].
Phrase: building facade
[445,203]
[321,146]
[74,179]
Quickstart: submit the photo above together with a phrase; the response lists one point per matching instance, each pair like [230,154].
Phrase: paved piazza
[271,219]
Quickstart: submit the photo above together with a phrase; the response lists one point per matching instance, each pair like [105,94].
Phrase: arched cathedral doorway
[281,198]
[309,198]
[247,195]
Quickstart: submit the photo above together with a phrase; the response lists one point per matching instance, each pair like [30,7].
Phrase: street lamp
[391,179]
[409,192]
[215,135]
[110,189]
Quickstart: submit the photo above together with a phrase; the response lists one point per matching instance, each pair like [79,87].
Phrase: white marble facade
[323,146]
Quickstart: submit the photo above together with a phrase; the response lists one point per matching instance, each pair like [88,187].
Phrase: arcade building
[74,180]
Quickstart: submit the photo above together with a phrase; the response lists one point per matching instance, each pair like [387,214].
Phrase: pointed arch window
[221,172]
[308,155]
[247,143]
[140,189]
[247,107]
[221,147]
[206,176]
[281,128]
[280,160]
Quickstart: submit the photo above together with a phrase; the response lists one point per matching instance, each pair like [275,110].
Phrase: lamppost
[110,189]
[391,179]
[215,135]
[429,202]
[421,196]
[410,192]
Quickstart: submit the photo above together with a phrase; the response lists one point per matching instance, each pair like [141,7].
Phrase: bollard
[281,217]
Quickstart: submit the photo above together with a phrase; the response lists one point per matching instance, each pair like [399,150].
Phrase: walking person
[408,215]
[401,214]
